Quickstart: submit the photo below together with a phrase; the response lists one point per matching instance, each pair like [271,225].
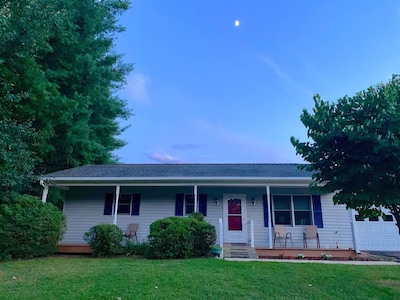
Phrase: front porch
[235,250]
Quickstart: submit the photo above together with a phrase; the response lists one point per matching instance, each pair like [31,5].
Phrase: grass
[129,278]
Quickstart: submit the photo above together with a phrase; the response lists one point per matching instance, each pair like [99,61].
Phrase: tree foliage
[354,148]
[29,228]
[59,74]
[58,70]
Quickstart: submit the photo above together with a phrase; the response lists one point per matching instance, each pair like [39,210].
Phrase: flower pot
[216,251]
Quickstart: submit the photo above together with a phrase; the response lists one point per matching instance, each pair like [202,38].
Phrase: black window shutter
[179,204]
[265,205]
[203,204]
[316,199]
[108,204]
[135,205]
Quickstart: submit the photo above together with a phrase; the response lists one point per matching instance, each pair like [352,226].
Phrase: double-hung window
[292,209]
[189,204]
[128,204]
[124,203]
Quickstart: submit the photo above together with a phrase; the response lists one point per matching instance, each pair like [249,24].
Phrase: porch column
[45,191]
[354,227]
[117,190]
[195,198]
[269,217]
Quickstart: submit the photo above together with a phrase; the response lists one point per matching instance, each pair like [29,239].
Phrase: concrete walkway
[300,261]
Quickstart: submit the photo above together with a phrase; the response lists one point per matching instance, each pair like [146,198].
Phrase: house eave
[174,181]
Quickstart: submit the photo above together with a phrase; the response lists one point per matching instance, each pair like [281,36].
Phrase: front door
[235,229]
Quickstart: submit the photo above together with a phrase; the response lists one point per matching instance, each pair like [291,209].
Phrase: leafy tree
[16,159]
[59,75]
[354,148]
[87,73]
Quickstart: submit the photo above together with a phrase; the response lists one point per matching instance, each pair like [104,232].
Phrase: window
[292,209]
[189,204]
[388,218]
[124,204]
[373,219]
[302,210]
[127,204]
[359,218]
[282,210]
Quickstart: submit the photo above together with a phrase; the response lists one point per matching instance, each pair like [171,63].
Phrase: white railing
[221,236]
[252,233]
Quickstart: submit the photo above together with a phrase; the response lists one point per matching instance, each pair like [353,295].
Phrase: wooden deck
[291,253]
[234,250]
[74,249]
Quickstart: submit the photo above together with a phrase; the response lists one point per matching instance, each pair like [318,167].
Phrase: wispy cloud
[282,74]
[165,158]
[270,63]
[136,89]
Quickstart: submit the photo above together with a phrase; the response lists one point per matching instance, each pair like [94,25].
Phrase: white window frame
[292,210]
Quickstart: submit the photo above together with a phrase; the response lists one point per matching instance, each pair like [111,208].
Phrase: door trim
[242,237]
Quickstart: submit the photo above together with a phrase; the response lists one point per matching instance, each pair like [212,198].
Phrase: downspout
[354,227]
[195,198]
[269,217]
[117,190]
[45,190]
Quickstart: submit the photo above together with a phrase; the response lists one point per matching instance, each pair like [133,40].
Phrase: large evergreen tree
[354,148]
[59,75]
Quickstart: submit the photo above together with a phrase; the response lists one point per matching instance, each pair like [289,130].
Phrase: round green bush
[105,239]
[29,228]
[180,237]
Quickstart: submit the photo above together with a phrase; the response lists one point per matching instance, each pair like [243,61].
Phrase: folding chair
[280,233]
[311,233]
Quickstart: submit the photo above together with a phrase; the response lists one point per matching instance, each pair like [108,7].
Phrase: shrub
[180,237]
[140,248]
[29,228]
[105,239]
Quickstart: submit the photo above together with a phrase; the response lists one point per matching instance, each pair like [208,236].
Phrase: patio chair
[280,233]
[131,232]
[311,233]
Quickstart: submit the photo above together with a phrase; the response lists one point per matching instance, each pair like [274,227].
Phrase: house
[242,201]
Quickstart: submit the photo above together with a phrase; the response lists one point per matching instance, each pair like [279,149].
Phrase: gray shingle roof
[182,171]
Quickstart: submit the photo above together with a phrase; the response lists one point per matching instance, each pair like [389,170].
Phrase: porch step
[239,251]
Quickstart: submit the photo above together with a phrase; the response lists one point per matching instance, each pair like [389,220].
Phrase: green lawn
[128,278]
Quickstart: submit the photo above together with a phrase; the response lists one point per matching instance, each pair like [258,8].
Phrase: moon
[237,23]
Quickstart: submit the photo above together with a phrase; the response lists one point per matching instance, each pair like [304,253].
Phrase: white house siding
[336,231]
[84,208]
[337,225]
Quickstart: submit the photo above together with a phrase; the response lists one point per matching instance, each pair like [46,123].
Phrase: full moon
[237,23]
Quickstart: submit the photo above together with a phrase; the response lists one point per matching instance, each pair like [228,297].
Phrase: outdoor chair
[311,233]
[280,233]
[131,232]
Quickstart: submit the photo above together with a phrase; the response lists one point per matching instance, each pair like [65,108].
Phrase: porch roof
[178,173]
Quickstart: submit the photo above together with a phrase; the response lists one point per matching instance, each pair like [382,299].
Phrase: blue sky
[205,91]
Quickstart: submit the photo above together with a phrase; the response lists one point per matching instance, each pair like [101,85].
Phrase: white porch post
[195,198]
[45,192]
[354,227]
[221,232]
[252,233]
[117,190]
[269,217]
[221,236]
